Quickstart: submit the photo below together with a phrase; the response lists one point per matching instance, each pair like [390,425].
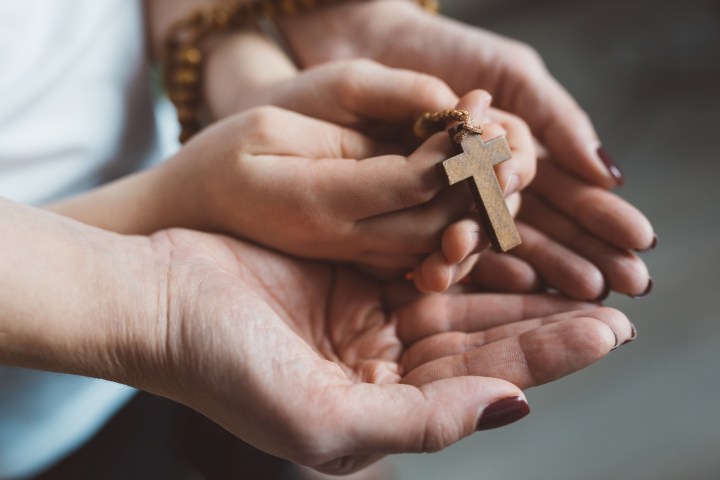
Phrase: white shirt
[76,111]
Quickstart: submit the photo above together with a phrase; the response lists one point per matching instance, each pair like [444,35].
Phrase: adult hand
[309,361]
[332,369]
[399,34]
[578,239]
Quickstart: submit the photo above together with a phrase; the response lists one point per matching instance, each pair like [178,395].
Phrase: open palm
[324,366]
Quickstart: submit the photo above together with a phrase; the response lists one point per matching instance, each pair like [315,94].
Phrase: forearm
[74,299]
[136,204]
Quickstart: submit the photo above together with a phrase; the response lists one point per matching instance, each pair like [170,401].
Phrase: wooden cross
[475,162]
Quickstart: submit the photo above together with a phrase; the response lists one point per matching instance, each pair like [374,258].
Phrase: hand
[310,361]
[578,239]
[399,34]
[246,70]
[318,190]
[332,369]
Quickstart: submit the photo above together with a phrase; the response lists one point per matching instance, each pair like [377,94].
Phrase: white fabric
[75,107]
[75,112]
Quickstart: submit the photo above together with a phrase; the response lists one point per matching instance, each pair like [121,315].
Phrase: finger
[504,273]
[456,342]
[270,130]
[600,212]
[559,267]
[467,236]
[555,118]
[373,186]
[417,229]
[624,271]
[372,91]
[394,418]
[432,314]
[517,173]
[437,274]
[536,356]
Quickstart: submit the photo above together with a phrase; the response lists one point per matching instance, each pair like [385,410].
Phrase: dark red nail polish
[611,166]
[647,290]
[604,294]
[617,341]
[503,412]
[652,245]
[633,334]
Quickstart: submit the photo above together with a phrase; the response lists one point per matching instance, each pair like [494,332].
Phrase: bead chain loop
[184,58]
[433,122]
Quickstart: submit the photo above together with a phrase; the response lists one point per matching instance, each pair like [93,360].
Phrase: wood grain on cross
[474,163]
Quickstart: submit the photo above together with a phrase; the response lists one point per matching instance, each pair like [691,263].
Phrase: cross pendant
[474,163]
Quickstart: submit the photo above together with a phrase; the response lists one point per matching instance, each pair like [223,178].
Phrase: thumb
[401,418]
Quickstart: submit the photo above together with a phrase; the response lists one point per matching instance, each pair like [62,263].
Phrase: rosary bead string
[433,122]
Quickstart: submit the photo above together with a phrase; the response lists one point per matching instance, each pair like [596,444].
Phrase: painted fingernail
[512,185]
[647,290]
[503,412]
[604,294]
[611,166]
[652,245]
[633,334]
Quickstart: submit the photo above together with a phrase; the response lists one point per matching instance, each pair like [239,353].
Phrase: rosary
[474,163]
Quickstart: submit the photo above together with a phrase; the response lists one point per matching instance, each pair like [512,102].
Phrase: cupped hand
[578,239]
[247,70]
[330,368]
[399,34]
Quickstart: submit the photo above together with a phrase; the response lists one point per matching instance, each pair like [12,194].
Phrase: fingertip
[437,273]
[503,412]
[477,102]
[459,240]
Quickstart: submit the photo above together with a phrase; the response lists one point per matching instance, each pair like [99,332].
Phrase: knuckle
[351,73]
[433,91]
[440,432]
[527,55]
[264,122]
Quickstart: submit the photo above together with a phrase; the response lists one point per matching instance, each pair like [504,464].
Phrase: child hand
[318,190]
[312,189]
[246,70]
[464,239]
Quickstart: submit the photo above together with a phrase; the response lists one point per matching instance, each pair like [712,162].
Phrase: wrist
[77,299]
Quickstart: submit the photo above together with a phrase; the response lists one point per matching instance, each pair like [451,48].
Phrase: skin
[547,258]
[399,34]
[335,378]
[305,186]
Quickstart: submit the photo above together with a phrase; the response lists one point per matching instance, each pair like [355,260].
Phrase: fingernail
[604,294]
[652,245]
[633,334]
[512,185]
[646,292]
[503,412]
[617,341]
[611,166]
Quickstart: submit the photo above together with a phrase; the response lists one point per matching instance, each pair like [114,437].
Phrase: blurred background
[648,73]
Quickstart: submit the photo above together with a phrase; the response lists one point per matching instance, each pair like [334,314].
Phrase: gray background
[648,72]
